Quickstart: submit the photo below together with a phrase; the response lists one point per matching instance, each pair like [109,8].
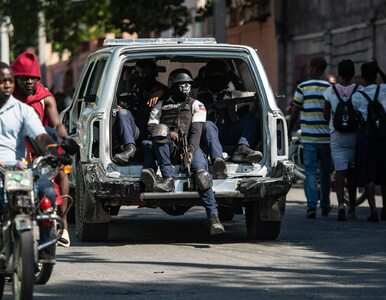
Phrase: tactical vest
[177,115]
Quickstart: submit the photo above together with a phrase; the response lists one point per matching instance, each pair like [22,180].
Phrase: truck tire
[258,229]
[71,211]
[86,232]
[282,203]
[225,213]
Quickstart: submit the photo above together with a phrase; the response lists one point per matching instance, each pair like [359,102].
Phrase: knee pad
[160,134]
[203,180]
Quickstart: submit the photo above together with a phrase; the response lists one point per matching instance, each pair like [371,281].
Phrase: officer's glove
[52,149]
[65,159]
[70,146]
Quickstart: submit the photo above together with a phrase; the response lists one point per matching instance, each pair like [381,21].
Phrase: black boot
[220,168]
[149,178]
[123,157]
[165,185]
[215,225]
[245,154]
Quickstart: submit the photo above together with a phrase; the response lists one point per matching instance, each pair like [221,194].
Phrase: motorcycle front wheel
[2,283]
[23,274]
[44,270]
[43,273]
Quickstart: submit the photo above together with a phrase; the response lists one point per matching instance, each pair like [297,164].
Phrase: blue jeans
[242,132]
[126,127]
[210,140]
[317,156]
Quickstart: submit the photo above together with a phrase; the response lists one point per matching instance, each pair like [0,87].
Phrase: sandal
[64,240]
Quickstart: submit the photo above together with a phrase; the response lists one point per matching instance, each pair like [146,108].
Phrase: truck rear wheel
[258,229]
[86,232]
[225,213]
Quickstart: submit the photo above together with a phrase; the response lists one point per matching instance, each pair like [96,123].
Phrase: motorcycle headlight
[46,166]
[18,180]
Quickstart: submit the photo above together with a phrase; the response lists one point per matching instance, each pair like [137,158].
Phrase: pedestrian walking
[309,103]
[370,163]
[344,122]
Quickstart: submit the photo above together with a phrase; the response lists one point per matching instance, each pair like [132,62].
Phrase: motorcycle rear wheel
[23,274]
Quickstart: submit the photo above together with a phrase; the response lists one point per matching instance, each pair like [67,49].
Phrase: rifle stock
[231,105]
[186,164]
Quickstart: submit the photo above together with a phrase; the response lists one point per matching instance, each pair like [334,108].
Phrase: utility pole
[5,29]
[42,45]
[219,18]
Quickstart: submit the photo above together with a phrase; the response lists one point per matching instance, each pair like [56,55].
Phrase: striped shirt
[309,96]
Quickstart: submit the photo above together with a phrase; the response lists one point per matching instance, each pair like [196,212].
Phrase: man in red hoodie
[29,90]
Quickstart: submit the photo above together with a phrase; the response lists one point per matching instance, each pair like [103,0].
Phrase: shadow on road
[312,259]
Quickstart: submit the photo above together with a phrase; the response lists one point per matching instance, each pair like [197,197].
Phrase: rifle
[231,105]
[189,180]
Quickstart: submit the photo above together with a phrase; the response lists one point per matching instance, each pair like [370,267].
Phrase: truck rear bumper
[120,191]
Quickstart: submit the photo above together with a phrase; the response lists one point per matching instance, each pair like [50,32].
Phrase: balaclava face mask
[181,91]
[217,83]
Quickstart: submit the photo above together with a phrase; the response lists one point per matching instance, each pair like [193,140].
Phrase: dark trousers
[126,128]
[166,152]
[242,132]
[210,140]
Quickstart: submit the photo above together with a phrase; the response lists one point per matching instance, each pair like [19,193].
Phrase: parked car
[102,185]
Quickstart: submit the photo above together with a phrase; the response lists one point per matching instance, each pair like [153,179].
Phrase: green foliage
[205,12]
[23,15]
[150,18]
[71,22]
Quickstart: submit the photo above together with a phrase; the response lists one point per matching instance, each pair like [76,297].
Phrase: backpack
[376,117]
[345,118]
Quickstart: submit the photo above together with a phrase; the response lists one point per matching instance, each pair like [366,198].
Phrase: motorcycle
[296,155]
[45,267]
[27,213]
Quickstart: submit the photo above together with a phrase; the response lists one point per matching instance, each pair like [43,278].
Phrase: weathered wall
[345,29]
[308,16]
[261,37]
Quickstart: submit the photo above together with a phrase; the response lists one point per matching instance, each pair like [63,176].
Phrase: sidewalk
[296,194]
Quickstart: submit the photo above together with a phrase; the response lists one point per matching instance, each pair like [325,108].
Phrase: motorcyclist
[183,117]
[17,121]
[242,132]
[30,91]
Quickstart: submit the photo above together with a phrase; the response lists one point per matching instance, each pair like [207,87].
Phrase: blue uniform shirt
[17,120]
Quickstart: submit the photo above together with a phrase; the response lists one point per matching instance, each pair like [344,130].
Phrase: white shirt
[330,96]
[17,120]
[360,103]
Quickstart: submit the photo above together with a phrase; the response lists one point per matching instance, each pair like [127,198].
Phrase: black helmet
[216,67]
[148,65]
[179,75]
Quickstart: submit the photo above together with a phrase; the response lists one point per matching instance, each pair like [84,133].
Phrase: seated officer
[172,120]
[144,92]
[241,132]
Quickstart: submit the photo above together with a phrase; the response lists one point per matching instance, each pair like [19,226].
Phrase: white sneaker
[64,240]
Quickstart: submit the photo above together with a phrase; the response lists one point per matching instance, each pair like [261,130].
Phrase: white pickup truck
[102,185]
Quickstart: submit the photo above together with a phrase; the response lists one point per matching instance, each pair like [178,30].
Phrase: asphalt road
[154,256]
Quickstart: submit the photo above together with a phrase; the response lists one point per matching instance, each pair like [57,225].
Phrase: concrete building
[345,29]
[286,33]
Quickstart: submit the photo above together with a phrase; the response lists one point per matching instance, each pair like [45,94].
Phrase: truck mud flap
[264,194]
[261,188]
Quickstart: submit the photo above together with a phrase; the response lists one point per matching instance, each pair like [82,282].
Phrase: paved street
[153,256]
